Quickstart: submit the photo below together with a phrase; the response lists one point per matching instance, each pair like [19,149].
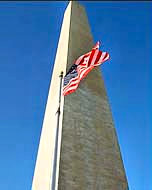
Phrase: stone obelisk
[89,156]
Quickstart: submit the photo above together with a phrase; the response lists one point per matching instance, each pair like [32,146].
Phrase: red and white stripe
[85,64]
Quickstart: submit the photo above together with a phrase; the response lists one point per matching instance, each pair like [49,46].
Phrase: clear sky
[29,33]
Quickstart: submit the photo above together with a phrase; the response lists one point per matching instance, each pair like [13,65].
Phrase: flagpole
[56,137]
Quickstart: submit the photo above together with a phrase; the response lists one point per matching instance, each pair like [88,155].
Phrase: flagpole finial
[61,75]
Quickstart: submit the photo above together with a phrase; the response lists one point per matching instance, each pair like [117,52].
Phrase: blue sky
[29,33]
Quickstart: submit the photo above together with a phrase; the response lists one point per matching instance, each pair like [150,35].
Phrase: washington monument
[87,155]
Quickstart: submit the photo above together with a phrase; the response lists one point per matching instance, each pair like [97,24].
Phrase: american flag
[83,65]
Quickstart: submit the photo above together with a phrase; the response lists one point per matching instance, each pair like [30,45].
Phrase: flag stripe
[98,57]
[94,57]
[91,57]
